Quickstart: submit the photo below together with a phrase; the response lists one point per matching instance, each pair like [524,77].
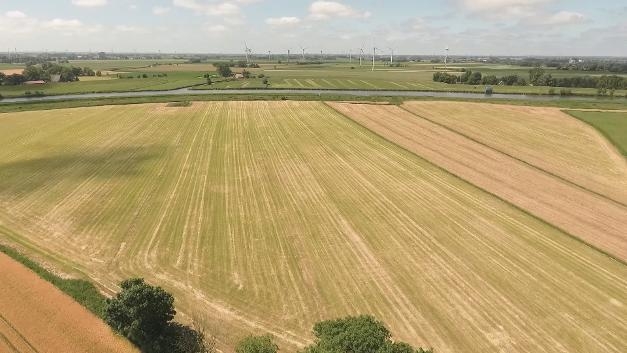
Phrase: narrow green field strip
[612,125]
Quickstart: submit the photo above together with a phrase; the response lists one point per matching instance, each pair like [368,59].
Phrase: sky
[467,27]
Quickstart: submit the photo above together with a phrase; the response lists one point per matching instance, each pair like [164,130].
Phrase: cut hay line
[266,217]
[587,216]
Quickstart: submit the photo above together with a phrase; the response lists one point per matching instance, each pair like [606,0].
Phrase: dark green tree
[142,313]
[257,344]
[356,334]
[535,75]
[224,70]
[475,78]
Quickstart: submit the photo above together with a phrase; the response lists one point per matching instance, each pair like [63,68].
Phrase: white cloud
[89,3]
[216,29]
[212,9]
[323,10]
[61,24]
[15,14]
[283,21]
[564,18]
[160,10]
[486,5]
[500,9]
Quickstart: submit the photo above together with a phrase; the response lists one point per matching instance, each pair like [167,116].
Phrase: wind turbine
[445,57]
[269,55]
[374,53]
[247,51]
[321,56]
[303,52]
[361,54]
[288,56]
[391,56]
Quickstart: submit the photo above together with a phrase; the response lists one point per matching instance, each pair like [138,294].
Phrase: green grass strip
[611,125]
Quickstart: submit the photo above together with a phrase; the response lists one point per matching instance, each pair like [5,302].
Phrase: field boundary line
[614,145]
[517,159]
[542,220]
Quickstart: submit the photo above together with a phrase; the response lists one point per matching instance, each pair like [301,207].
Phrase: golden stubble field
[267,217]
[593,218]
[36,317]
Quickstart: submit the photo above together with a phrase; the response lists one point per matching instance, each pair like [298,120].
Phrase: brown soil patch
[37,317]
[592,218]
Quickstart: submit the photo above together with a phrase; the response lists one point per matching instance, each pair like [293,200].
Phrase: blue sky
[482,27]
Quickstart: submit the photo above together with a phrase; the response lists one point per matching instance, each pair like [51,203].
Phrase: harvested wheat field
[267,217]
[593,218]
[546,138]
[36,317]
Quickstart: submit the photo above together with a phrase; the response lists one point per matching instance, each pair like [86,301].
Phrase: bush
[551,91]
[565,92]
[488,90]
[257,344]
[261,75]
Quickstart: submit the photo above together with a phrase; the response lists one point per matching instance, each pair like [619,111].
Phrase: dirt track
[36,317]
[592,218]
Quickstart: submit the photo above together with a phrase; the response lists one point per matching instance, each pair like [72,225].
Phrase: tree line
[537,77]
[144,314]
[45,71]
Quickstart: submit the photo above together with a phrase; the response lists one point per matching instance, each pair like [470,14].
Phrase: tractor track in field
[266,217]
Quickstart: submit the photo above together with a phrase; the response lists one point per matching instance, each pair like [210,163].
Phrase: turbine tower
[288,56]
[446,57]
[374,53]
[247,51]
[303,52]
[391,56]
[350,56]
[269,55]
[361,54]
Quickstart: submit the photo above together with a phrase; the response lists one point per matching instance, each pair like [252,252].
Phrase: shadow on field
[28,175]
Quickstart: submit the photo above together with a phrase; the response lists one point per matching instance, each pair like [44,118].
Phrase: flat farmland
[173,80]
[591,217]
[543,137]
[37,317]
[267,217]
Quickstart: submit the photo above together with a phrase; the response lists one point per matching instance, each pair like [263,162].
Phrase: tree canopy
[144,313]
[356,334]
